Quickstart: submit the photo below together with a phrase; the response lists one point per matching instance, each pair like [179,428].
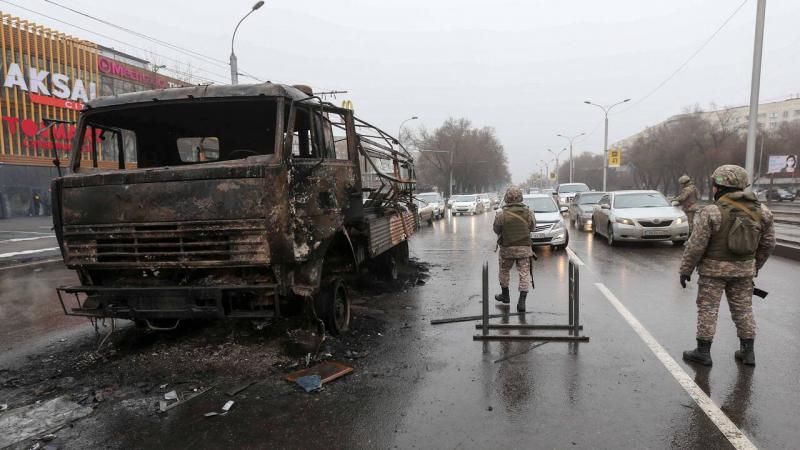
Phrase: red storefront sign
[111,67]
[57,102]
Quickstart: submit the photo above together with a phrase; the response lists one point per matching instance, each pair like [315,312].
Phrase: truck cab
[226,202]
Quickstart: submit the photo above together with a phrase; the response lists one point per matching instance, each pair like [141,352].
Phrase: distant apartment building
[770,116]
[47,74]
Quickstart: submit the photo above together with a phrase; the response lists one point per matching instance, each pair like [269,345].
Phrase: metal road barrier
[574,326]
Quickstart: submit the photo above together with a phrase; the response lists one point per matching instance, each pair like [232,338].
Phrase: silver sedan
[639,216]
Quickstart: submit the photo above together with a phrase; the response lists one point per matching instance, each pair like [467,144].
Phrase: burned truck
[218,202]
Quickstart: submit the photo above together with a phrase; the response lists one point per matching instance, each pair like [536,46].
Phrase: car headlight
[559,225]
[680,220]
[624,221]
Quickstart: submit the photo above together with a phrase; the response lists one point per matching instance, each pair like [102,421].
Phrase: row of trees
[479,162]
[692,144]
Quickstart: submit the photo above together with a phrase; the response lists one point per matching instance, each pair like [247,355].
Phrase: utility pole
[755,85]
[571,163]
[606,109]
[556,155]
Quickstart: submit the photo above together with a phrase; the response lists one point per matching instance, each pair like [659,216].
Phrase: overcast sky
[523,67]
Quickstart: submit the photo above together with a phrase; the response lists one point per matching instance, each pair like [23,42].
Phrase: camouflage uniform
[735,278]
[511,255]
[687,199]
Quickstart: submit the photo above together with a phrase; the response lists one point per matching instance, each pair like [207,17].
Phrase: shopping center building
[47,74]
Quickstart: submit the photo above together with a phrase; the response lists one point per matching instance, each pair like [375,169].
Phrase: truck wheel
[333,306]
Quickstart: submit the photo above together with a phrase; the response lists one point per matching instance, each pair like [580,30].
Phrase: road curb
[787,251]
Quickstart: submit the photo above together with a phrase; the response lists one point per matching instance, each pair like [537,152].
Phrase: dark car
[581,208]
[780,195]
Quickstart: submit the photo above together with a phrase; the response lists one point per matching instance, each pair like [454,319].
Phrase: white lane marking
[27,252]
[28,239]
[575,257]
[24,232]
[723,423]
[31,264]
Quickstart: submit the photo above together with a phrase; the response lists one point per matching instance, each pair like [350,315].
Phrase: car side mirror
[605,206]
[564,209]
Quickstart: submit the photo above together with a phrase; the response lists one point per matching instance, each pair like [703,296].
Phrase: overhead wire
[185,51]
[104,36]
[687,61]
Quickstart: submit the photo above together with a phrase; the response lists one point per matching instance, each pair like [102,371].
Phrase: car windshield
[570,188]
[541,204]
[589,199]
[464,198]
[430,198]
[653,200]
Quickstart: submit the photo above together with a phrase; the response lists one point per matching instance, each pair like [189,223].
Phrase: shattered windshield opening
[179,133]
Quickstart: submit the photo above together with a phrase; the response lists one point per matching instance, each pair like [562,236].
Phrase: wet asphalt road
[426,386]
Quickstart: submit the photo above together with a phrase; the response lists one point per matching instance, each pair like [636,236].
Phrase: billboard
[782,164]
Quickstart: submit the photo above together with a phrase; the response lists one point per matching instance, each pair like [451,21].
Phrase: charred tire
[388,265]
[333,306]
[402,252]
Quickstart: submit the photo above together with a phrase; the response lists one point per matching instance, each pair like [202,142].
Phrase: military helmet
[513,195]
[730,175]
[684,179]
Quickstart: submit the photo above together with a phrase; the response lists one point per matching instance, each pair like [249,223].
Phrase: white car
[487,202]
[639,216]
[436,201]
[424,211]
[567,191]
[466,204]
[550,227]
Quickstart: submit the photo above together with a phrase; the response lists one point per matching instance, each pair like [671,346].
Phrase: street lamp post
[234,66]
[400,128]
[606,109]
[557,155]
[546,172]
[570,139]
[755,86]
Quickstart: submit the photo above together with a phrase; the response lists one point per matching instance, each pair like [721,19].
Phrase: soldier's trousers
[739,292]
[523,267]
[690,213]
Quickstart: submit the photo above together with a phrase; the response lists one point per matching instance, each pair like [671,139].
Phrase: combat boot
[746,353]
[521,302]
[503,297]
[701,355]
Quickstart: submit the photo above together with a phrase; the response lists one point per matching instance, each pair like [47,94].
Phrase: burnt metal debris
[219,202]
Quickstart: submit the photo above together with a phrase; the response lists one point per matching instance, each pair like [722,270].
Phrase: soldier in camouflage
[687,198]
[732,240]
[514,225]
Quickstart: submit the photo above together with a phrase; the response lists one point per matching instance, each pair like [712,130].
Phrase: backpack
[744,232]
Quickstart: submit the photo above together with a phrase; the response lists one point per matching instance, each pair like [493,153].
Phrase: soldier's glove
[684,279]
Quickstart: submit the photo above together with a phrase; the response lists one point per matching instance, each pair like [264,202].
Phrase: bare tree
[479,160]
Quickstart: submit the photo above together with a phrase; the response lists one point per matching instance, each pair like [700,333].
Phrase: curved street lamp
[606,109]
[400,128]
[570,139]
[234,67]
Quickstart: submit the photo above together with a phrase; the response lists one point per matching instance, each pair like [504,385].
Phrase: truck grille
[179,244]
